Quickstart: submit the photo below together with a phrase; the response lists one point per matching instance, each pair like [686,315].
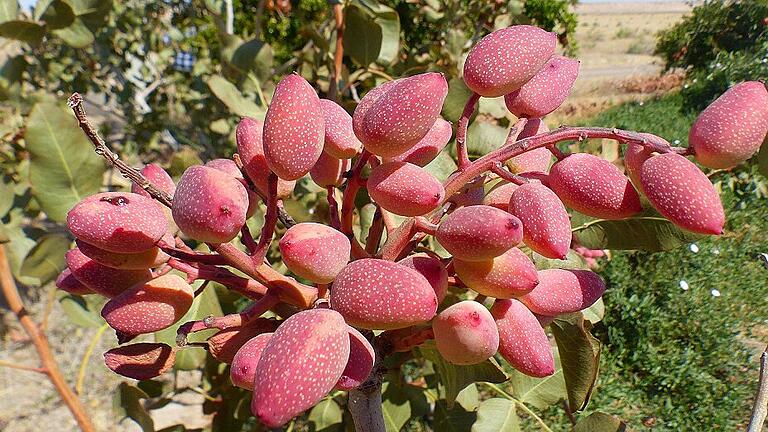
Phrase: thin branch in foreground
[760,408]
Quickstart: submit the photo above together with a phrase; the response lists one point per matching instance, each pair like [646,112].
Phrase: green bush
[721,43]
[681,359]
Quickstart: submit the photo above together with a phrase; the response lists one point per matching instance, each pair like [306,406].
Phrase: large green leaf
[496,415]
[372,32]
[11,72]
[25,31]
[18,245]
[600,422]
[326,415]
[63,166]
[454,377]
[401,402]
[453,419]
[442,166]
[228,93]
[83,311]
[57,15]
[46,260]
[484,137]
[7,187]
[579,355]
[253,56]
[762,158]
[127,404]
[648,231]
[76,35]
[458,94]
[539,392]
[9,9]
[204,305]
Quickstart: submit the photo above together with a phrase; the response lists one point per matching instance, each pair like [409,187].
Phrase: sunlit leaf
[9,9]
[228,94]
[80,310]
[127,404]
[64,169]
[45,261]
[600,422]
[539,392]
[326,415]
[579,355]
[376,31]
[76,35]
[496,415]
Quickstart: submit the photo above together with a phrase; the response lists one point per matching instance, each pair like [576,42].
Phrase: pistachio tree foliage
[348,265]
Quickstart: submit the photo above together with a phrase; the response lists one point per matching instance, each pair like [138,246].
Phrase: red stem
[245,286]
[375,232]
[461,131]
[255,310]
[270,221]
[333,208]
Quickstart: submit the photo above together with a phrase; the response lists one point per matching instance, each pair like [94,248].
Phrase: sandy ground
[616,45]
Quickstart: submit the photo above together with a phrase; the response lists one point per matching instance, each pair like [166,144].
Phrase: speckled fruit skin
[294,128]
[101,279]
[210,205]
[230,167]
[509,275]
[250,148]
[500,195]
[732,128]
[224,345]
[67,282]
[594,187]
[403,115]
[522,341]
[546,224]
[243,370]
[504,60]
[143,260]
[140,361]
[360,363]
[118,221]
[546,91]
[424,151]
[367,102]
[432,269]
[682,193]
[563,291]
[328,171]
[536,159]
[376,294]
[300,365]
[150,306]
[158,177]
[405,189]
[340,139]
[315,251]
[465,333]
[479,233]
[634,156]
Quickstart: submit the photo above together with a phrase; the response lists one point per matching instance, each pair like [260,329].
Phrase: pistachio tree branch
[760,407]
[48,364]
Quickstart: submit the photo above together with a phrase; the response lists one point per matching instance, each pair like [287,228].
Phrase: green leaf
[79,310]
[579,355]
[228,94]
[458,94]
[539,392]
[497,415]
[40,7]
[452,419]
[395,406]
[762,158]
[483,138]
[10,77]
[7,187]
[648,231]
[127,404]
[9,9]
[204,305]
[326,415]
[572,261]
[64,169]
[57,15]
[376,32]
[454,377]
[76,35]
[25,31]
[600,422]
[442,166]
[255,56]
[18,245]
[469,398]
[46,260]
[596,312]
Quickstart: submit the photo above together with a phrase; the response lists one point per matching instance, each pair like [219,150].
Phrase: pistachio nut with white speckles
[546,224]
[405,189]
[562,291]
[546,91]
[479,232]
[315,251]
[465,333]
[101,279]
[508,275]
[522,341]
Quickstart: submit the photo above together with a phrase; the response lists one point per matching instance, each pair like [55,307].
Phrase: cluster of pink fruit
[290,364]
